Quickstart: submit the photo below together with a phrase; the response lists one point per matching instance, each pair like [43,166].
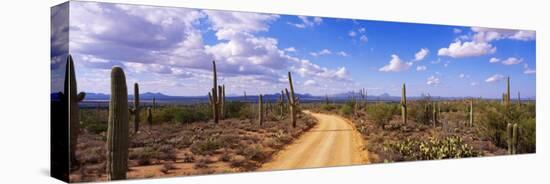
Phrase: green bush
[381,113]
[431,149]
[347,108]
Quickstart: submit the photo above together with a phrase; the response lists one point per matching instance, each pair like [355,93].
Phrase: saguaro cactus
[435,115]
[507,97]
[222,102]
[135,111]
[404,104]
[471,112]
[117,130]
[260,109]
[149,117]
[519,99]
[73,98]
[292,101]
[213,96]
[512,137]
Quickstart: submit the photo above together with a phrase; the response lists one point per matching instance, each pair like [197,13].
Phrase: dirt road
[333,142]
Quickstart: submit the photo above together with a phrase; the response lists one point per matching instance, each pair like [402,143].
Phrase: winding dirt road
[333,142]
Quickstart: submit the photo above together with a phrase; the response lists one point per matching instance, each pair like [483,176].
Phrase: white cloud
[494,60]
[457,31]
[361,30]
[462,76]
[495,78]
[473,83]
[363,38]
[460,49]
[421,68]
[396,65]
[305,68]
[342,53]
[512,61]
[527,70]
[491,34]
[432,80]
[290,49]
[310,83]
[307,22]
[420,55]
[321,52]
[352,33]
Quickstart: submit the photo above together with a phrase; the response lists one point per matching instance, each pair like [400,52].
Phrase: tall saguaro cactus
[213,95]
[471,112]
[73,98]
[222,102]
[117,131]
[260,109]
[507,97]
[292,101]
[404,104]
[435,114]
[135,111]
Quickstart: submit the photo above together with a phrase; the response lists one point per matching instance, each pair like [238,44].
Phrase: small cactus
[117,130]
[149,117]
[404,104]
[514,138]
[435,114]
[135,111]
[70,94]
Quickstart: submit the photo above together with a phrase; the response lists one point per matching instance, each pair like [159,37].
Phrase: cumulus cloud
[494,78]
[462,76]
[460,49]
[169,41]
[306,68]
[310,83]
[420,55]
[491,34]
[363,38]
[362,30]
[321,52]
[512,61]
[290,49]
[307,22]
[494,60]
[432,81]
[421,68]
[396,65]
[342,53]
[352,33]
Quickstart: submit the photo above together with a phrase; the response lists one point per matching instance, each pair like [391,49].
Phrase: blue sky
[169,50]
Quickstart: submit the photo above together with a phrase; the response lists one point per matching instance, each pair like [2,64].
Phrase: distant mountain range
[270,97]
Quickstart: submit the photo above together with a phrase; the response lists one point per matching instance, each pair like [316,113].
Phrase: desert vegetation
[428,128]
[215,137]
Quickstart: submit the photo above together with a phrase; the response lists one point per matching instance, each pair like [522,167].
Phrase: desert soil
[332,142]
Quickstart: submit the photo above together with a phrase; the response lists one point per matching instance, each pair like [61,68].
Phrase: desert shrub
[328,107]
[182,113]
[143,155]
[254,152]
[527,136]
[422,109]
[381,113]
[431,149]
[206,146]
[93,121]
[202,162]
[246,112]
[233,109]
[494,118]
[167,166]
[347,108]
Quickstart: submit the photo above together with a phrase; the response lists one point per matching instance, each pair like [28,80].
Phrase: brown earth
[332,142]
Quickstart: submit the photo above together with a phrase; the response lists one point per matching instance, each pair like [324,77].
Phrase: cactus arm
[80,97]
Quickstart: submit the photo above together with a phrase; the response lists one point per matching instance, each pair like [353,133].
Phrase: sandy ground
[333,142]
